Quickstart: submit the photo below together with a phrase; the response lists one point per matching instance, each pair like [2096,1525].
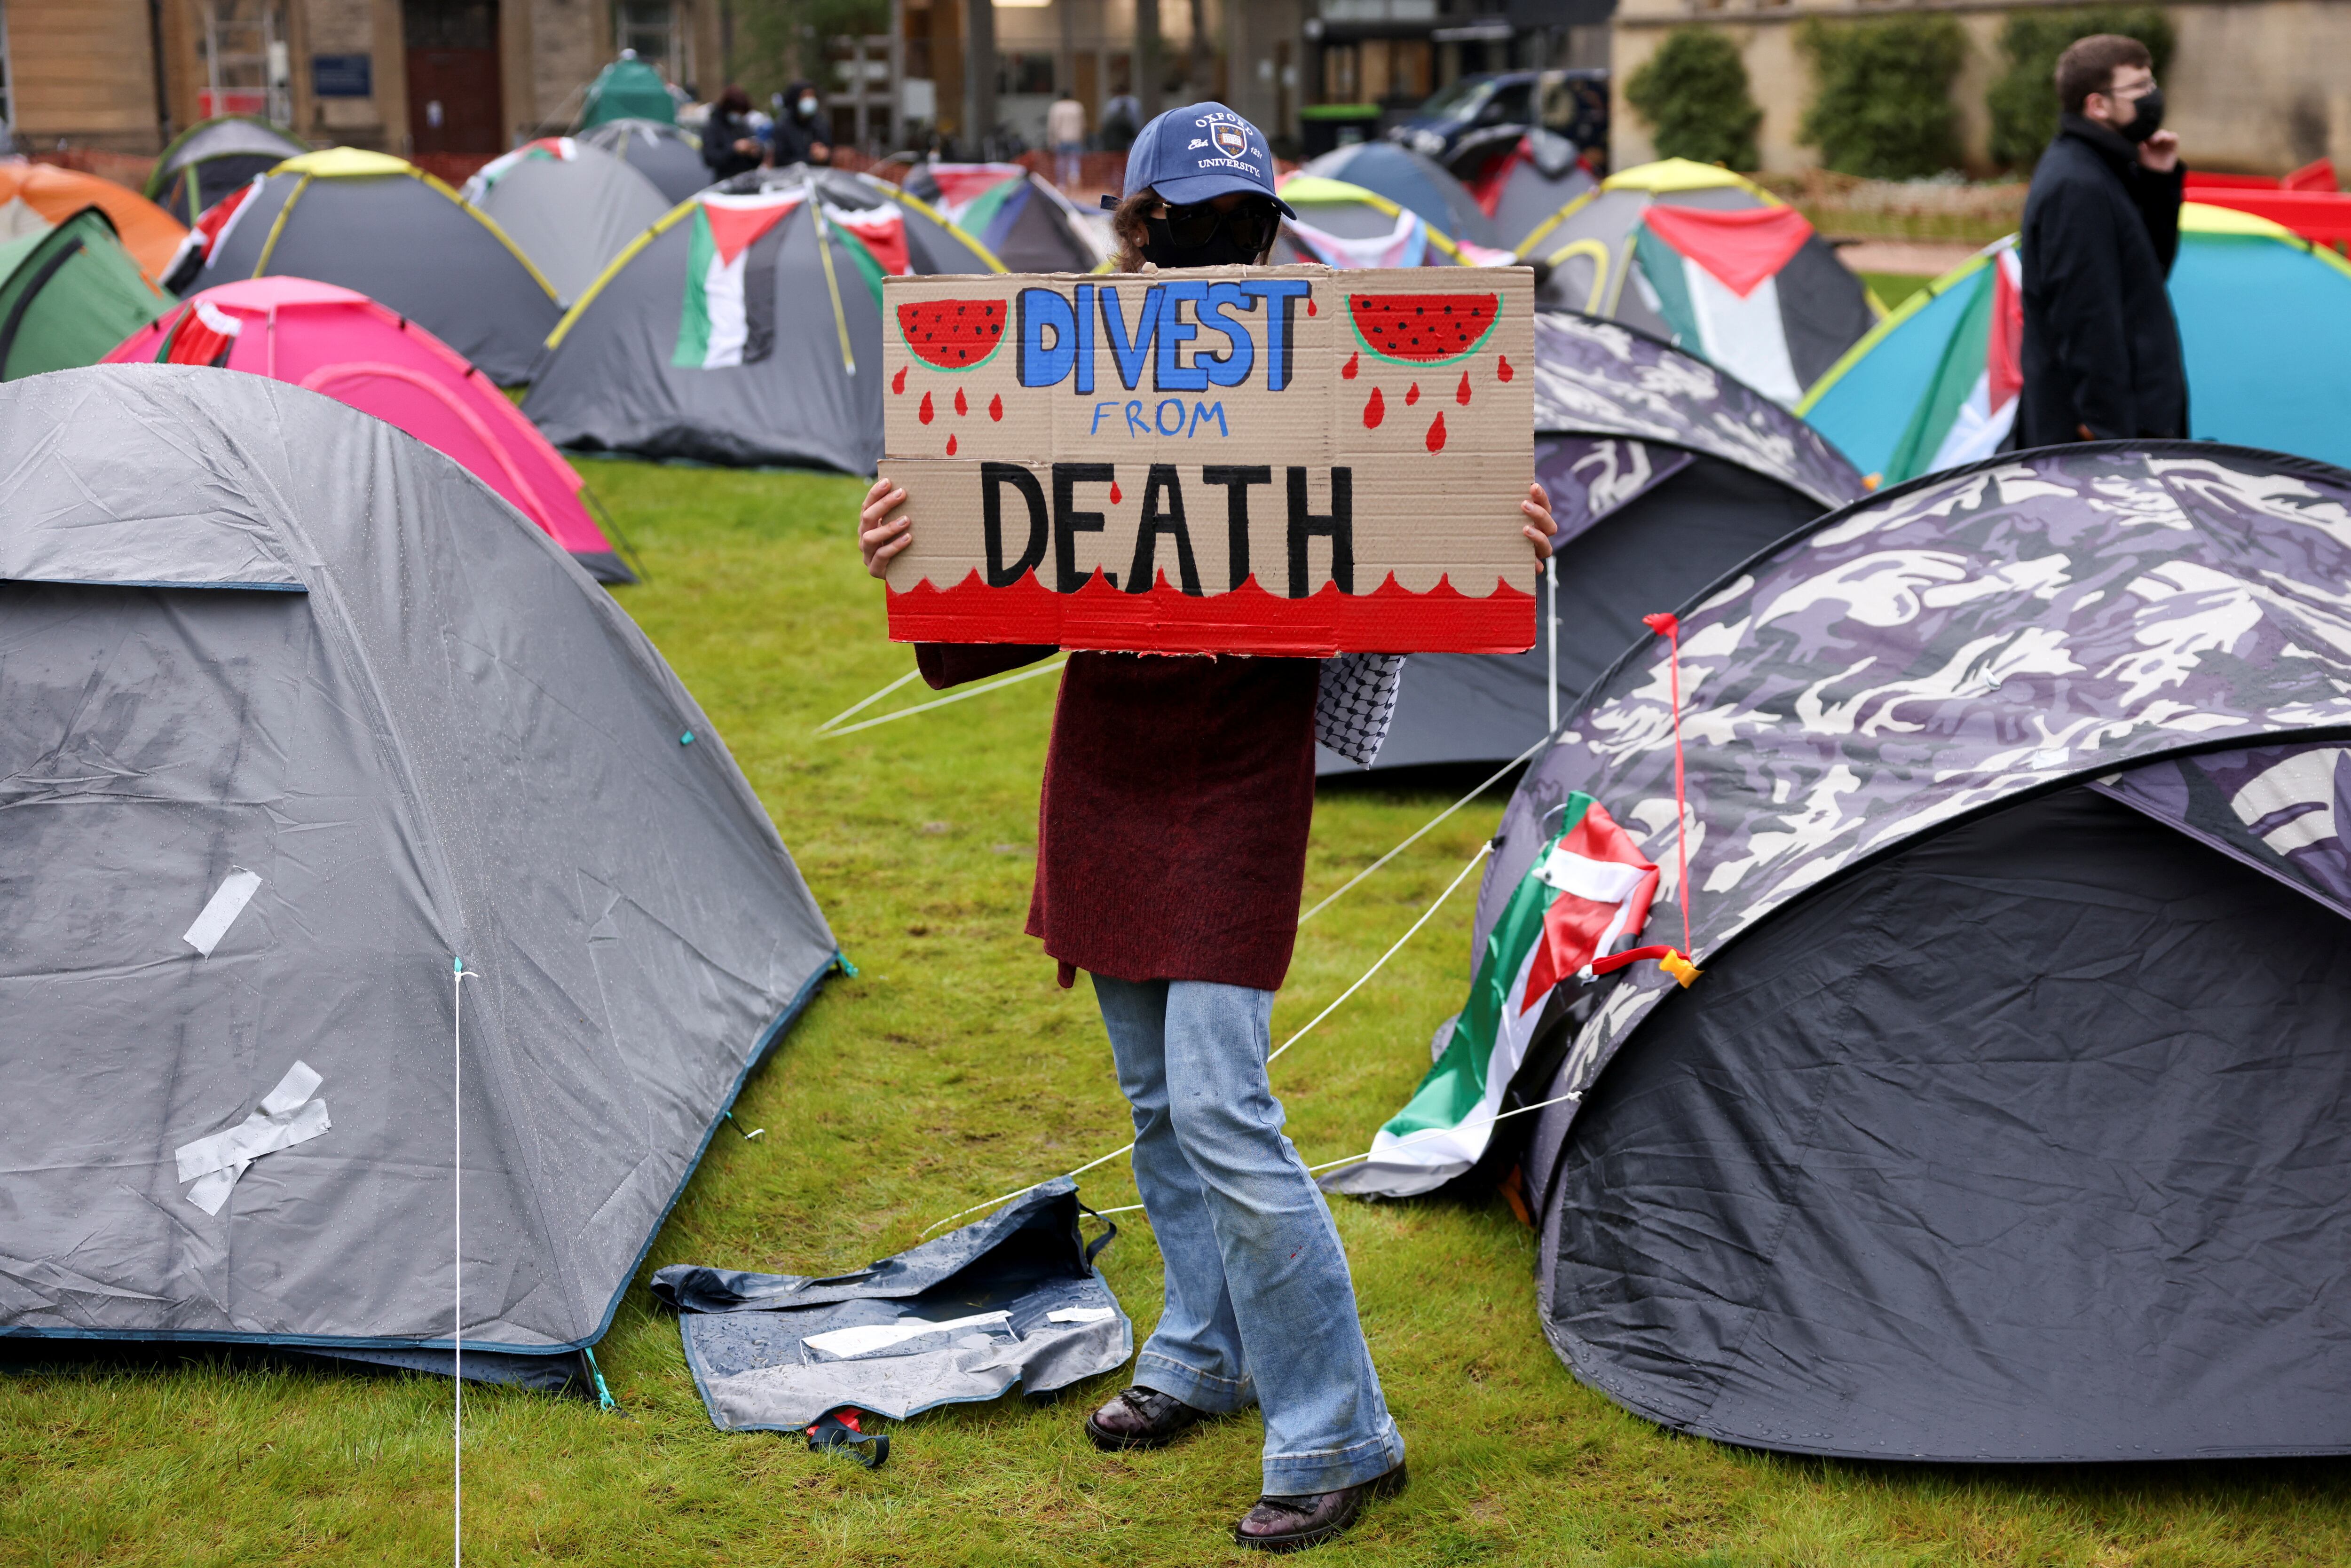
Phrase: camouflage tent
[1664,472]
[2001,1124]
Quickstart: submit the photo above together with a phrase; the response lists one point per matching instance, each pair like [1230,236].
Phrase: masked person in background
[2101,355]
[799,137]
[1170,852]
[730,145]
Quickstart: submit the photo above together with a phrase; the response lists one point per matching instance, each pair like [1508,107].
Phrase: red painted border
[1248,619]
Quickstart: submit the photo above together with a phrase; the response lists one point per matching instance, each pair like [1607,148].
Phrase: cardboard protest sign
[1259,460]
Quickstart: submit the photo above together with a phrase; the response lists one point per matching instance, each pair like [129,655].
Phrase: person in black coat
[730,146]
[800,136]
[2101,350]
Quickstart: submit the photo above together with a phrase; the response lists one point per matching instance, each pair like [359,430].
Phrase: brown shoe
[1141,1417]
[1295,1523]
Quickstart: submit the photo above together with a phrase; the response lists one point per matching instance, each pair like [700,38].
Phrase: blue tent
[2264,318]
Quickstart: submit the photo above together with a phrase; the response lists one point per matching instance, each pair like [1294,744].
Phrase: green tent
[69,296]
[628,89]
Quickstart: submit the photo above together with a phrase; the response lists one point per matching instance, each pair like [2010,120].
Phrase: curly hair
[1127,227]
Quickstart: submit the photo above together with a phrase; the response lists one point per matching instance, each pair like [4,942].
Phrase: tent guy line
[854,709]
[1459,877]
[1424,828]
[996,685]
[1410,1138]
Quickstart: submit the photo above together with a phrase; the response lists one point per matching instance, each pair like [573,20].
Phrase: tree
[1693,95]
[2023,101]
[1882,98]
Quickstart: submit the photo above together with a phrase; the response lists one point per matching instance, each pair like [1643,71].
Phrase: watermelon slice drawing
[1424,329]
[952,334]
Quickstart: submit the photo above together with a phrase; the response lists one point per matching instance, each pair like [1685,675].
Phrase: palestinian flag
[555,149]
[728,315]
[203,335]
[1971,403]
[1734,286]
[1585,896]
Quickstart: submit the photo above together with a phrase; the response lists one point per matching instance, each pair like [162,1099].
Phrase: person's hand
[1540,526]
[819,150]
[747,145]
[2161,152]
[878,540]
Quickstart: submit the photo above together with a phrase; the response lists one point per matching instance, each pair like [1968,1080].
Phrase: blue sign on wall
[343,76]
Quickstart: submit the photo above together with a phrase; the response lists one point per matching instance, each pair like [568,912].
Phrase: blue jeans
[1259,1305]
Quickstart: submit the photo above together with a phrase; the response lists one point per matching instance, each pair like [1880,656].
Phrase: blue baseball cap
[1198,151]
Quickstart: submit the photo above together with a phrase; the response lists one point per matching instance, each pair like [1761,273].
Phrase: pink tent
[343,344]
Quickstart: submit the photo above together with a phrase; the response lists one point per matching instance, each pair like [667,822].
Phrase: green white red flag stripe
[1714,276]
[1587,894]
[721,314]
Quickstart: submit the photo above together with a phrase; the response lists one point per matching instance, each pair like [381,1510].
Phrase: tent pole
[1550,620]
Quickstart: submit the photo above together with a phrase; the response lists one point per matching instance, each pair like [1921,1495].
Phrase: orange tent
[149,232]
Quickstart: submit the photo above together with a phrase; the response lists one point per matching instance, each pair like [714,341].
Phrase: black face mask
[1161,250]
[2149,119]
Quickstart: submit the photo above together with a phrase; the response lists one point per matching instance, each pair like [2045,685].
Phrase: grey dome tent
[668,155]
[1412,181]
[1521,176]
[213,157]
[2003,1123]
[297,714]
[568,206]
[1020,217]
[1664,472]
[384,227]
[786,368]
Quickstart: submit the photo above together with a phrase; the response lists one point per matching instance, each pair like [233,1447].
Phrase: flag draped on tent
[1587,893]
[729,317]
[1716,278]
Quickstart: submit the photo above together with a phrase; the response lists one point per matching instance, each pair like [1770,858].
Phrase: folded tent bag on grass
[1010,1298]
[295,714]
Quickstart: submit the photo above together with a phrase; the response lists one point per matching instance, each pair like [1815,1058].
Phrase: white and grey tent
[297,714]
[745,326]
[1664,472]
[568,206]
[668,155]
[2003,1121]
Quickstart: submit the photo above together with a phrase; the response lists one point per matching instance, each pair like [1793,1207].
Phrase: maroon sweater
[1171,836]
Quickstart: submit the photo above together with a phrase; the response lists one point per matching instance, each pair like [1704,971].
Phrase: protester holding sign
[1171,853]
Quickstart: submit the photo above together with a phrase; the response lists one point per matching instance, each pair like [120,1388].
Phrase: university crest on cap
[1231,140]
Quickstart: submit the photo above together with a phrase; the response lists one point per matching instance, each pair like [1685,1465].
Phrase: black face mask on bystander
[2148,120]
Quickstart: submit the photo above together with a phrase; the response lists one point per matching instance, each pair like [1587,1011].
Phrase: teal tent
[2264,318]
[628,89]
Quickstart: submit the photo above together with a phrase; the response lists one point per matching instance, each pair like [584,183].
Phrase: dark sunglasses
[1252,224]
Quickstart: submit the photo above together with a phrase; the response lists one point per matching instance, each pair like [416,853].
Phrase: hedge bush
[2023,101]
[1693,95]
[1881,95]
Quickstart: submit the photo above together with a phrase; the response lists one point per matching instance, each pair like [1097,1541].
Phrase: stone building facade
[2254,86]
[463,77]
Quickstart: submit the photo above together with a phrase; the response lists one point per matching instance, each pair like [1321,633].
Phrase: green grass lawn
[951,1068]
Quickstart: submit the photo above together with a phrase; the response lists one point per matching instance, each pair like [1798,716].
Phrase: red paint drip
[1436,434]
[1310,305]
[951,446]
[995,406]
[961,407]
[1375,411]
[1461,392]
[1412,395]
[898,382]
[1504,371]
[1114,496]
[924,412]
[1347,371]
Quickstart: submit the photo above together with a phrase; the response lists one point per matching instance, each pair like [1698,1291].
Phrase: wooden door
[455,98]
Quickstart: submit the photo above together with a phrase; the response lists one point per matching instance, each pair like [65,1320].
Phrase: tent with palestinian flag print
[1998,1121]
[1713,263]
[1343,225]
[1020,216]
[745,327]
[2264,325]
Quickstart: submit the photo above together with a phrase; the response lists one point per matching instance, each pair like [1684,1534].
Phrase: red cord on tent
[1677,965]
